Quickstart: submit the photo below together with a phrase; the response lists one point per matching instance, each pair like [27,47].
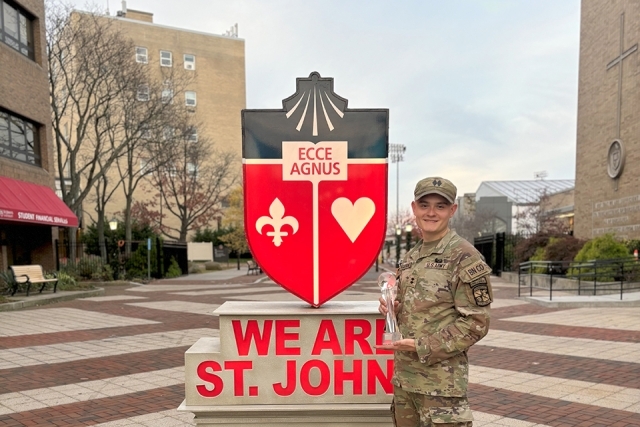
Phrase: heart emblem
[353,217]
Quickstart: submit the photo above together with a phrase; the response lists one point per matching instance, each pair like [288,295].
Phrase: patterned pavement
[117,360]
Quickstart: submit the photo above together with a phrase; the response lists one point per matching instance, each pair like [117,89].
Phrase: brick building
[216,95]
[607,191]
[30,211]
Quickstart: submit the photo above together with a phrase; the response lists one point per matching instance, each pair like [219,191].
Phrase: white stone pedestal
[285,363]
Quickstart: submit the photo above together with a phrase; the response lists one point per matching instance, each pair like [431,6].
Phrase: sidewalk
[227,274]
[117,360]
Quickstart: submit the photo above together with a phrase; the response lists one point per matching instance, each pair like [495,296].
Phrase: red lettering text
[351,336]
[314,153]
[330,343]
[209,377]
[305,377]
[252,333]
[238,368]
[282,336]
[287,390]
[341,376]
[376,376]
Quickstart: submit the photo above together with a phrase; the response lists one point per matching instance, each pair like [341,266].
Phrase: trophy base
[391,337]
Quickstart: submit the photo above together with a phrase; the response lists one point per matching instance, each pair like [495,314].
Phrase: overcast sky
[477,90]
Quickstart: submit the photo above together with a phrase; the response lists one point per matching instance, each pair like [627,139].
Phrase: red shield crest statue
[315,189]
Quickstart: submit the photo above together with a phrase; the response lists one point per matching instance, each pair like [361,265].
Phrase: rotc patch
[480,281]
[481,292]
[478,268]
[437,265]
[405,265]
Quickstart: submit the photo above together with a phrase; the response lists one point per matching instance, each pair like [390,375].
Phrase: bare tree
[535,219]
[91,75]
[474,224]
[149,136]
[194,182]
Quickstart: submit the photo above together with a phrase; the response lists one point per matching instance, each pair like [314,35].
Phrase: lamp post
[398,234]
[113,226]
[408,228]
[396,152]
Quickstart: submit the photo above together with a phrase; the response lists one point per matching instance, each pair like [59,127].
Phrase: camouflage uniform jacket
[444,297]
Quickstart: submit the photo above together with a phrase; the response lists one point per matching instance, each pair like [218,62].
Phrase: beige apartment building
[216,94]
[30,212]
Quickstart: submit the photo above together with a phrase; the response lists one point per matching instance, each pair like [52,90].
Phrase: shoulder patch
[481,293]
[473,268]
[476,269]
[480,281]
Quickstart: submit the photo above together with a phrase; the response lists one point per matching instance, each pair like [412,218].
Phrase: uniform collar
[440,247]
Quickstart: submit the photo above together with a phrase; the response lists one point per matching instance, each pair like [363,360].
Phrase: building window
[189,62]
[16,28]
[165,58]
[143,93]
[19,139]
[190,98]
[141,55]
[167,92]
[192,134]
[192,170]
[145,166]
[145,132]
[168,133]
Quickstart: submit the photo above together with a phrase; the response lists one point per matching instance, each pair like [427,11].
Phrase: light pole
[408,228]
[398,234]
[396,155]
[113,226]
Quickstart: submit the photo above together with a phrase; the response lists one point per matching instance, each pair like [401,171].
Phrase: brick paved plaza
[117,359]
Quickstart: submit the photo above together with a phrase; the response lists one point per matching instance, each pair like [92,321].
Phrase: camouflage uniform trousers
[420,410]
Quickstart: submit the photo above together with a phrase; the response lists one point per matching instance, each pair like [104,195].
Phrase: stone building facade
[607,191]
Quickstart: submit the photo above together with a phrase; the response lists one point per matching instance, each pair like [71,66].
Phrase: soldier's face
[433,213]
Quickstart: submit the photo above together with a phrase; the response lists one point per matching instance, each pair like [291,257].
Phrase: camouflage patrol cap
[436,185]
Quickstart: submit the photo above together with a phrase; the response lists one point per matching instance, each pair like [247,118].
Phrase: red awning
[36,204]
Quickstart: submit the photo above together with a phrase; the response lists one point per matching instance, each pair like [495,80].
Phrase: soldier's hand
[382,308]
[406,344]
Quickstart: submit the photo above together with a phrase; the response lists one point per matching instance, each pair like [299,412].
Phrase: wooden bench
[253,267]
[30,274]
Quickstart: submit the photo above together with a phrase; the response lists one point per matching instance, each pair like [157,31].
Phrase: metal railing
[586,278]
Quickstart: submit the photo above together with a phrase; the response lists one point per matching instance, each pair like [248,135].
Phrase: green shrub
[104,275]
[174,269]
[137,264]
[66,281]
[632,245]
[212,266]
[601,248]
[6,281]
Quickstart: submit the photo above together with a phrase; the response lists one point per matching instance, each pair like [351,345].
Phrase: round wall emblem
[615,159]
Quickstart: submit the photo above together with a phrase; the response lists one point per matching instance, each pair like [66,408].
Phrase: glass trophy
[389,290]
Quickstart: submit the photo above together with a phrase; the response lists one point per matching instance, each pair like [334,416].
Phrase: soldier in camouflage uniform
[442,307]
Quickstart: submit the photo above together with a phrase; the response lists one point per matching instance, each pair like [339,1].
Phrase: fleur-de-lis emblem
[277,220]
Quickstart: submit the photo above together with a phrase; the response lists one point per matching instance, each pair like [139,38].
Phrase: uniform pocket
[451,416]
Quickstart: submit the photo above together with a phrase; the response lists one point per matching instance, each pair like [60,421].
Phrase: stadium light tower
[396,155]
